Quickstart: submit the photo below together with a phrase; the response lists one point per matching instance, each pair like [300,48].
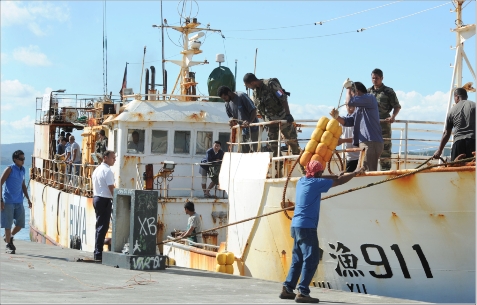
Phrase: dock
[40,273]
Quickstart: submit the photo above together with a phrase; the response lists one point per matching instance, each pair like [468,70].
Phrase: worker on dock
[103,191]
[304,230]
[12,210]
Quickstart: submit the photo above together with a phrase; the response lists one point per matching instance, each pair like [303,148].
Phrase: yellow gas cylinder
[229,269]
[322,123]
[311,146]
[334,127]
[230,258]
[305,158]
[220,268]
[221,258]
[321,150]
[326,138]
[316,134]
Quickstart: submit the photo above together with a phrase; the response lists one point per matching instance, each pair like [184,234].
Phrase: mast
[463,33]
[191,47]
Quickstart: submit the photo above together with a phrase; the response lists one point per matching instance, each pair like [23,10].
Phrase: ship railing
[76,109]
[71,178]
[191,243]
[175,179]
[414,144]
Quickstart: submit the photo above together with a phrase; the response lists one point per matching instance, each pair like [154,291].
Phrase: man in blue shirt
[12,199]
[365,119]
[241,110]
[304,230]
[213,156]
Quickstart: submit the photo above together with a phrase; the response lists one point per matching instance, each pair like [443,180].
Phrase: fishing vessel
[401,233]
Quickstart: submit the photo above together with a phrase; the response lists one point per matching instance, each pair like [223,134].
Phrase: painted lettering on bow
[78,222]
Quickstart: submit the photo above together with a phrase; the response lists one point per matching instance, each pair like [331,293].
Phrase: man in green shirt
[387,101]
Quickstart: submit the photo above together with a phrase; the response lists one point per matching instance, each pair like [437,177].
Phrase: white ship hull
[410,238]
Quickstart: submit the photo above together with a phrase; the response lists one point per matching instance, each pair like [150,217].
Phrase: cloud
[24,123]
[16,95]
[4,58]
[416,106]
[32,14]
[31,56]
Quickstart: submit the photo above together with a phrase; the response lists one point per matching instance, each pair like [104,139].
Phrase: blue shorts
[13,213]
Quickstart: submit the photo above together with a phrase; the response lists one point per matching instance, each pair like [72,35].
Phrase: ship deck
[39,273]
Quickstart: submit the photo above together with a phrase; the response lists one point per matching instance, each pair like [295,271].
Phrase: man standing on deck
[387,101]
[241,110]
[271,101]
[101,144]
[12,210]
[304,230]
[365,119]
[75,160]
[103,191]
[213,155]
[461,118]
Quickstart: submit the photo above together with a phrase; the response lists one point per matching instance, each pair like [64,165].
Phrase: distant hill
[6,151]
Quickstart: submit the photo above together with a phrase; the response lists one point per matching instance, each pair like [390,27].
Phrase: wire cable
[349,15]
[315,23]
[341,33]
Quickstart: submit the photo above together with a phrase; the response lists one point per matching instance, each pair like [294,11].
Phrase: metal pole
[164,86]
[235,76]
[142,70]
[405,144]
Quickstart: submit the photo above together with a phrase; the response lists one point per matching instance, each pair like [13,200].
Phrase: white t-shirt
[76,147]
[348,133]
[102,177]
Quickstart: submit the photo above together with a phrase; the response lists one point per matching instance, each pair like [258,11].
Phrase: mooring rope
[324,198]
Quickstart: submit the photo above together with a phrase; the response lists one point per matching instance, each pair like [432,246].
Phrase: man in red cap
[304,230]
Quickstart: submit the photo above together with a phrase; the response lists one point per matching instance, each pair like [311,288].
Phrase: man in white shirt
[347,138]
[103,190]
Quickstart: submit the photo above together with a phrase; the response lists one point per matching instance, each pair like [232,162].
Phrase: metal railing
[179,182]
[71,178]
[409,141]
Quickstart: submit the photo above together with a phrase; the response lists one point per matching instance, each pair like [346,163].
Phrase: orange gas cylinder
[305,158]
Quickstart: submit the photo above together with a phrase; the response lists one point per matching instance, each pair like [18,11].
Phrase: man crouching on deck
[304,230]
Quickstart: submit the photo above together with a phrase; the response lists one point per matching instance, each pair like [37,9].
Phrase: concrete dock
[40,273]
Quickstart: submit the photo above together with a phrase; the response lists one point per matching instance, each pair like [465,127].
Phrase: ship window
[203,142]
[182,142]
[224,137]
[136,141]
[159,142]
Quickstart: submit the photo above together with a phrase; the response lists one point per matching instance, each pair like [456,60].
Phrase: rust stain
[377,221]
[440,215]
[138,116]
[283,258]
[394,214]
[197,117]
[131,160]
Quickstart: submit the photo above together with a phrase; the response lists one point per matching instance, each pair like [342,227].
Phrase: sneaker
[98,257]
[285,294]
[301,298]
[10,248]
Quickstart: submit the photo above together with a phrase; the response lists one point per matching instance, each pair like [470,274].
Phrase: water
[24,233]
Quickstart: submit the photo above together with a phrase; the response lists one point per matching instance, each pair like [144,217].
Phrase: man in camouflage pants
[387,101]
[272,104]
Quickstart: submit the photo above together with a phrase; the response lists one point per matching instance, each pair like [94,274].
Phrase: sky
[51,45]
